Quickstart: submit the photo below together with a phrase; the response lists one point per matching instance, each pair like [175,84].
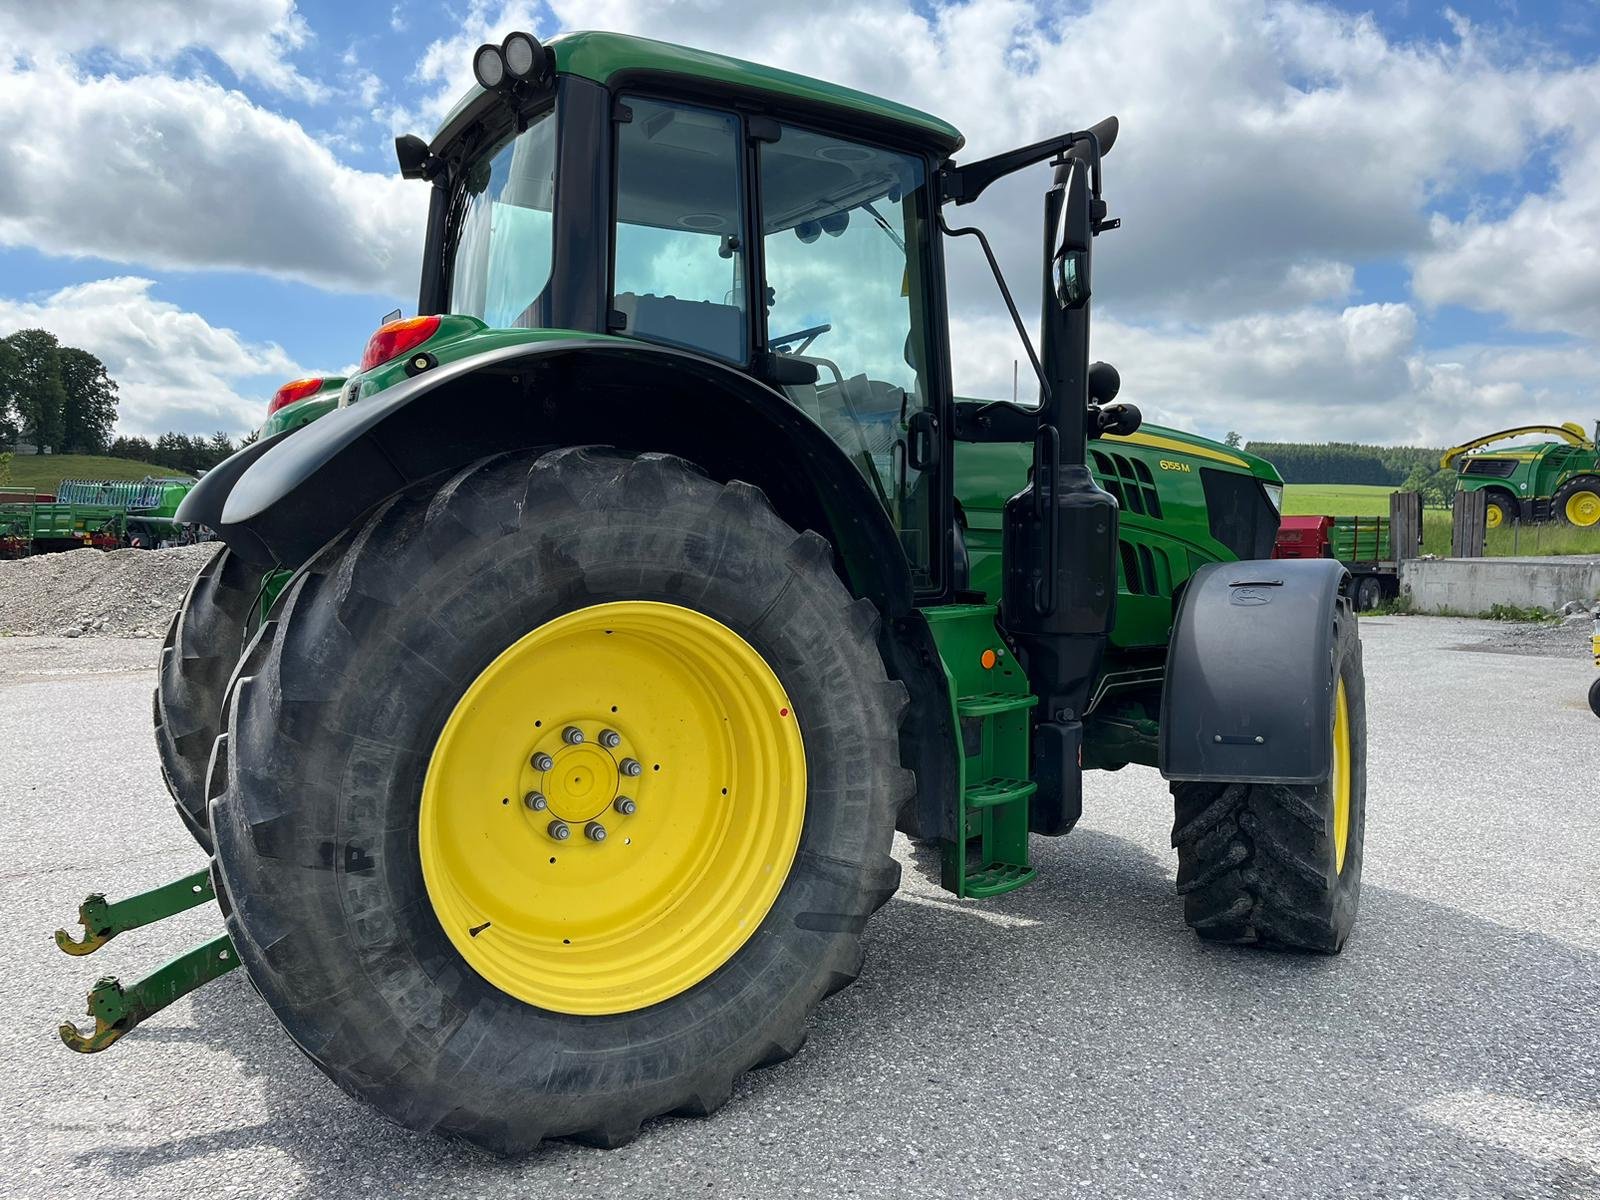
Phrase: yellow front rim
[661,876]
[1583,508]
[1493,517]
[1341,777]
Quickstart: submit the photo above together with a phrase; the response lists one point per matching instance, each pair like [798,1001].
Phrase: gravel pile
[96,593]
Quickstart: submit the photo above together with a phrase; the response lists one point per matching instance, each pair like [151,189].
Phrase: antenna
[1014,382]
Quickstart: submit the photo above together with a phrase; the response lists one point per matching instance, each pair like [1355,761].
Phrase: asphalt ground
[1071,1039]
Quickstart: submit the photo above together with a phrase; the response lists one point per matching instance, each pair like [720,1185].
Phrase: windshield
[503,241]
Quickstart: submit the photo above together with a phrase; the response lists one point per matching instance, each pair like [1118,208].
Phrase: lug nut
[610,739]
[542,761]
[572,735]
[536,801]
[560,831]
[631,767]
[625,805]
[595,831]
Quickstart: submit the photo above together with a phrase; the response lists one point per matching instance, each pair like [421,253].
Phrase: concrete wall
[1475,585]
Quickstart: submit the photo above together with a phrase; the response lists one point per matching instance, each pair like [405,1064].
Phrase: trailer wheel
[556,796]
[1368,593]
[1500,510]
[1577,502]
[204,640]
[1279,865]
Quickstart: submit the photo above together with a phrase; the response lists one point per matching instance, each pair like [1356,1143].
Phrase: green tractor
[1544,481]
[568,670]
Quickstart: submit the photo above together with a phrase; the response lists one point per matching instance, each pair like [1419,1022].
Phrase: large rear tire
[383,817]
[1279,865]
[204,641]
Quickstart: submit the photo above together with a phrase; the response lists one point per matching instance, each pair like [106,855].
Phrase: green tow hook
[117,1009]
[102,919]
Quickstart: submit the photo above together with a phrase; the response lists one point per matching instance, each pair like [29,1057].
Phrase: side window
[845,241]
[678,273]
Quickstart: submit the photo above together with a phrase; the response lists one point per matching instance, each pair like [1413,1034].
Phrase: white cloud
[1357,374]
[174,370]
[254,38]
[172,173]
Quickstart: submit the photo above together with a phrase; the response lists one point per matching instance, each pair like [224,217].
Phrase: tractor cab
[797,246]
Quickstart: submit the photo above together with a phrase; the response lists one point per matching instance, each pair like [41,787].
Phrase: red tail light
[296,389]
[395,338]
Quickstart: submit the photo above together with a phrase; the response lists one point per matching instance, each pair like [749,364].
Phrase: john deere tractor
[568,669]
[1533,482]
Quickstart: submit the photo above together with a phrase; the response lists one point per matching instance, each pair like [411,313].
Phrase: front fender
[1249,690]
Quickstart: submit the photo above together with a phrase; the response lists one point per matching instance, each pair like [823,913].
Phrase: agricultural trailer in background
[150,504]
[1362,544]
[1545,481]
[630,596]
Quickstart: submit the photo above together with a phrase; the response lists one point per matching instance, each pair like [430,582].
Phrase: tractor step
[117,1008]
[989,854]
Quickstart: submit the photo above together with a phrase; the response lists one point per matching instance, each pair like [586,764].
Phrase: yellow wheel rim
[1341,778]
[693,849]
[1493,517]
[1583,508]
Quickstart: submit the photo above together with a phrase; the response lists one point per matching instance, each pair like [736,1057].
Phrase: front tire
[1577,502]
[345,847]
[1594,697]
[1279,865]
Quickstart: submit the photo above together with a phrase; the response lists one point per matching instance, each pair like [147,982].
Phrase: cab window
[678,259]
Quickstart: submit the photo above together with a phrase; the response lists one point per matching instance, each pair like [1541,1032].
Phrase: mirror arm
[1005,294]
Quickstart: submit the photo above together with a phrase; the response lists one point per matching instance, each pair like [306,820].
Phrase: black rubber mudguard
[1250,685]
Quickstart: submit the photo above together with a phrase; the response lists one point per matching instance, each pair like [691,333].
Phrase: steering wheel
[804,336]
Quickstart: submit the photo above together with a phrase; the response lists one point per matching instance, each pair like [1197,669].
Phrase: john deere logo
[1249,597]
[1168,465]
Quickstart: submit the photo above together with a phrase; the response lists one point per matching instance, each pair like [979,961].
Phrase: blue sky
[1340,221]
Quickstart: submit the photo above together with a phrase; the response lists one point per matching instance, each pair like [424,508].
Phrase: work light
[521,54]
[489,66]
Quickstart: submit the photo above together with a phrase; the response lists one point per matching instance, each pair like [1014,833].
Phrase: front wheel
[1594,697]
[1500,510]
[1279,865]
[556,797]
[1577,502]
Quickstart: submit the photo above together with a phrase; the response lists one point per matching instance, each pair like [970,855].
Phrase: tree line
[62,399]
[177,451]
[1347,462]
[53,395]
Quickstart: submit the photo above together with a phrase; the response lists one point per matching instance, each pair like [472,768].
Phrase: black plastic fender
[1249,687]
[279,503]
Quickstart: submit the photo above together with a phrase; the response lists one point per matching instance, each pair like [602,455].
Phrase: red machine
[1304,537]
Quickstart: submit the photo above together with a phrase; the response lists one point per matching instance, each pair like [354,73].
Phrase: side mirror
[1074,233]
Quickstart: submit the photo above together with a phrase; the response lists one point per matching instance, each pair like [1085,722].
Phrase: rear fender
[1249,689]
[291,497]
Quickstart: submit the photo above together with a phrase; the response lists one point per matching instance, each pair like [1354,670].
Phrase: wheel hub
[612,807]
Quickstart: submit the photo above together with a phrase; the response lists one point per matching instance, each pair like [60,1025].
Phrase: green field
[42,472]
[1363,500]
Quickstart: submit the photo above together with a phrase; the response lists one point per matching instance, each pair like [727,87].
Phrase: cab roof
[617,58]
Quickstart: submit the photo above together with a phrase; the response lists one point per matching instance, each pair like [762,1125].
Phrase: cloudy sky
[1371,222]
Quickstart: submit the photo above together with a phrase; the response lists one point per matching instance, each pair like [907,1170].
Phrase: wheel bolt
[625,805]
[542,761]
[631,767]
[595,831]
[536,801]
[572,735]
[560,831]
[610,739]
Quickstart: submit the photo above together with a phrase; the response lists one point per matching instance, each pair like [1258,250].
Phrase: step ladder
[991,700]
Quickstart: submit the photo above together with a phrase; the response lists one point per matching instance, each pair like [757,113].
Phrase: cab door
[851,290]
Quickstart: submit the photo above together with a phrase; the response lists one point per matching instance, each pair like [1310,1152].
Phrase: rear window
[1242,518]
